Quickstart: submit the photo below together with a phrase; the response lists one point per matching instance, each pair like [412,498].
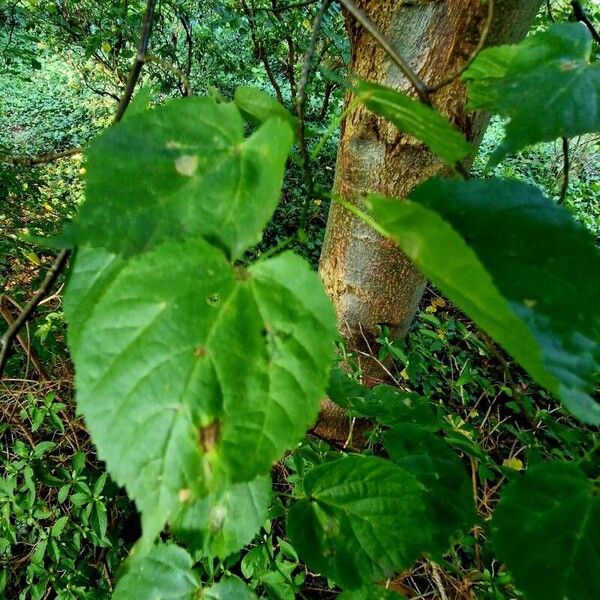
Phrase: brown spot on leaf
[241,274]
[200,351]
[209,436]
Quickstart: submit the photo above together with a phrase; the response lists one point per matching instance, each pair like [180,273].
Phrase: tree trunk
[369,280]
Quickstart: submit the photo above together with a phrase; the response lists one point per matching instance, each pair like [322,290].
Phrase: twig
[566,169]
[300,106]
[13,330]
[482,40]
[171,68]
[366,22]
[25,343]
[581,15]
[260,51]
[435,573]
[41,159]
[140,59]
[476,528]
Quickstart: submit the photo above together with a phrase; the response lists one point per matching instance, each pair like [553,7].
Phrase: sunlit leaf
[191,372]
[165,574]
[179,171]
[226,520]
[228,589]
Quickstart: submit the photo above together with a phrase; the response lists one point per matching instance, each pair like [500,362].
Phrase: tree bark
[369,280]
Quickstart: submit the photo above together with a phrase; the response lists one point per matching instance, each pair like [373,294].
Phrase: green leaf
[370,592]
[545,529]
[229,589]
[344,390]
[519,266]
[256,106]
[165,574]
[449,496]
[343,527]
[140,103]
[94,272]
[191,373]
[545,84]
[417,119]
[180,171]
[226,520]
[385,403]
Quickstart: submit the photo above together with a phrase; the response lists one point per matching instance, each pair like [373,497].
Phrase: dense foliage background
[65,526]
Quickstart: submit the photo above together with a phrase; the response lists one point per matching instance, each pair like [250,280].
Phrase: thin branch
[482,40]
[13,330]
[581,15]
[25,342]
[170,68]
[566,169]
[140,59]
[300,107]
[366,22]
[260,51]
[31,161]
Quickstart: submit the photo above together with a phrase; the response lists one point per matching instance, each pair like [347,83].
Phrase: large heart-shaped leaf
[363,518]
[182,170]
[449,496]
[416,118]
[96,268]
[545,529]
[519,266]
[191,373]
[545,84]
[226,520]
[164,574]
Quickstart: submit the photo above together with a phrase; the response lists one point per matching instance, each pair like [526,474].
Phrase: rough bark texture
[369,280]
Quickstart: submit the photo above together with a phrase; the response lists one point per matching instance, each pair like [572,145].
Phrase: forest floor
[65,527]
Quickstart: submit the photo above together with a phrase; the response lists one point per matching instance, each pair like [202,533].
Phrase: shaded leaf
[385,403]
[449,496]
[416,118]
[545,85]
[343,527]
[519,266]
[545,529]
